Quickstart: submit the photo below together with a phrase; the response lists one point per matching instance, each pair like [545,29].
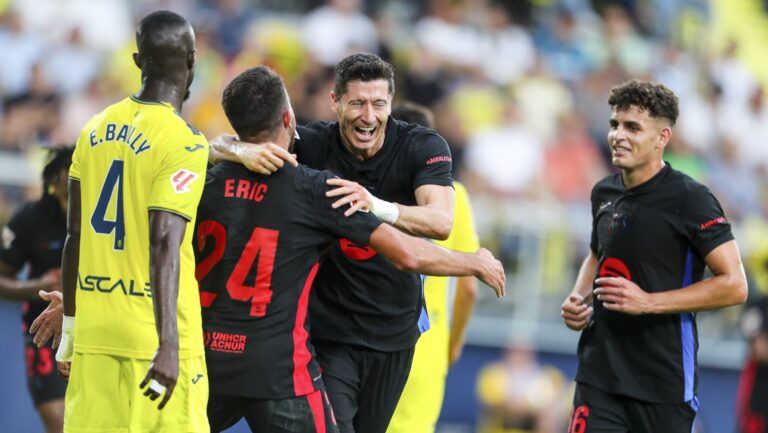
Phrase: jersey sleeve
[705,221]
[432,157]
[464,235]
[180,176]
[14,250]
[74,168]
[357,227]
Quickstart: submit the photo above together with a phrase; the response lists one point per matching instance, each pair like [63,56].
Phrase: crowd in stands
[519,88]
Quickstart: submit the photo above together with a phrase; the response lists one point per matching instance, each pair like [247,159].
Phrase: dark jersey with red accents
[361,298]
[35,236]
[656,235]
[258,243]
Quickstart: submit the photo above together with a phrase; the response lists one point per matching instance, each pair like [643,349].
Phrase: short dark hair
[412,112]
[254,102]
[656,99]
[166,38]
[363,67]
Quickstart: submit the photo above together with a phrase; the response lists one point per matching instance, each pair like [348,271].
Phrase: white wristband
[388,212]
[67,343]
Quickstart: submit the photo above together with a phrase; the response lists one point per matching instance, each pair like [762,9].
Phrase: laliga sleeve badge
[181,180]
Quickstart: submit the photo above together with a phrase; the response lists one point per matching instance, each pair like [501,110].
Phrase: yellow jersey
[422,398]
[133,157]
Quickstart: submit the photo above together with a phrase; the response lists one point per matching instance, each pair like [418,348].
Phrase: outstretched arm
[418,255]
[15,290]
[727,286]
[166,232]
[263,158]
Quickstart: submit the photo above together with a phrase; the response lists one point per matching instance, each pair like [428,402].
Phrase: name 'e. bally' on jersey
[656,235]
[362,299]
[132,158]
[259,241]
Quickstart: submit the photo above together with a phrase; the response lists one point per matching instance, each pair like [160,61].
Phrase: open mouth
[365,133]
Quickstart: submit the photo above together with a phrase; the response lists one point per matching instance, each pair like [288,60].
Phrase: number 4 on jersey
[112,188]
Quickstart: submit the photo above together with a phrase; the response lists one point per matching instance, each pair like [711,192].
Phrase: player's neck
[362,154]
[639,175]
[162,91]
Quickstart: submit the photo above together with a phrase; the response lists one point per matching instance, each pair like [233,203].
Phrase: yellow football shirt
[131,158]
[422,398]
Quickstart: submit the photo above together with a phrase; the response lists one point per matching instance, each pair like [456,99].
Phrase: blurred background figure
[449,308]
[32,242]
[752,403]
[520,395]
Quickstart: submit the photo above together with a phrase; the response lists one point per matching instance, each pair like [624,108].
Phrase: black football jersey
[361,298]
[258,244]
[656,235]
[35,236]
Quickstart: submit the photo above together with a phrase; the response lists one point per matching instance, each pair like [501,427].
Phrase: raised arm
[418,255]
[265,158]
[166,232]
[727,286]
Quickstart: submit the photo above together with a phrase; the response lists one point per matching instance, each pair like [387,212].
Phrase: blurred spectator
[560,49]
[31,115]
[752,400]
[70,65]
[21,50]
[507,50]
[572,161]
[336,29]
[506,161]
[518,395]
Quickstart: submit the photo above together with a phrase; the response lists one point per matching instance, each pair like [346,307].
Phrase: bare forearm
[710,294]
[70,262]
[166,235]
[15,290]
[584,280]
[463,305]
[424,221]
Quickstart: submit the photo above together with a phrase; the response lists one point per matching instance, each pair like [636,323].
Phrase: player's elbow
[735,286]
[407,261]
[442,228]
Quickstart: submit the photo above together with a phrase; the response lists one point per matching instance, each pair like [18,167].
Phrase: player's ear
[287,119]
[137,60]
[191,59]
[334,102]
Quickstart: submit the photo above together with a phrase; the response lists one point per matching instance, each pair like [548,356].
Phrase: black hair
[655,99]
[414,113]
[58,159]
[363,67]
[254,102]
[164,39]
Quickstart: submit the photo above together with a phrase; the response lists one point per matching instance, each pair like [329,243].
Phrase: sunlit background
[519,89]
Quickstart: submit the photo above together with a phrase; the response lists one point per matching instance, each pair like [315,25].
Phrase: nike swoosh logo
[197,379]
[605,205]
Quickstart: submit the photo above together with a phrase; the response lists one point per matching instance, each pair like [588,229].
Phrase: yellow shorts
[103,395]
[422,398]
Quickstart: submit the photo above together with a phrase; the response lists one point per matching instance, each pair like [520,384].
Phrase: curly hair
[655,99]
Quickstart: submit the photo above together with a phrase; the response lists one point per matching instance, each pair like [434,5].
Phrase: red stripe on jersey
[302,383]
[318,413]
[207,298]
